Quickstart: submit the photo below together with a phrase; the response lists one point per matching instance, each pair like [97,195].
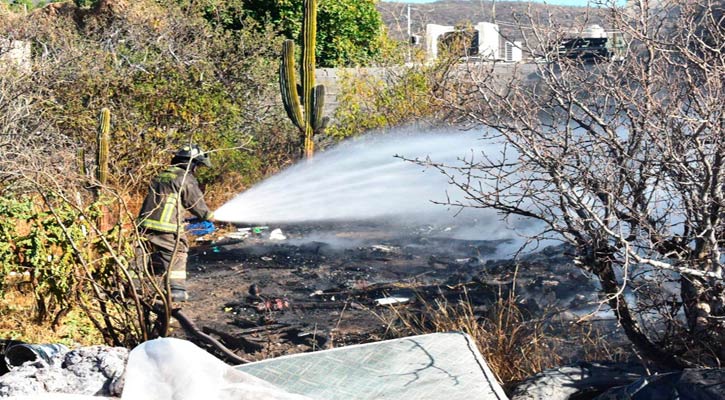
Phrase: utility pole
[493,11]
[409,33]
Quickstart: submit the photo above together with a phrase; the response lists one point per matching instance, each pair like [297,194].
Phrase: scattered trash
[200,228]
[277,235]
[272,305]
[382,248]
[238,235]
[4,344]
[386,301]
[243,233]
[18,354]
[254,290]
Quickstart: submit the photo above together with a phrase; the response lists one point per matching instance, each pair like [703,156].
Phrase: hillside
[452,12]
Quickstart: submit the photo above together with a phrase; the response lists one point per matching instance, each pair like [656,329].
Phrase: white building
[488,39]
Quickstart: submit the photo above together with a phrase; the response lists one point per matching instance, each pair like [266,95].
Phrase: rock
[567,382]
[95,370]
[705,384]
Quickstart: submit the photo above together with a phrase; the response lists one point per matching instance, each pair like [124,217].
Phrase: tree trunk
[704,303]
[659,356]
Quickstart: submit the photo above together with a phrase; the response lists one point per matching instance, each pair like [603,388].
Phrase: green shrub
[37,243]
[385,99]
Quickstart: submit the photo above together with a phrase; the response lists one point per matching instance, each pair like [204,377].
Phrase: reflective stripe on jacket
[170,193]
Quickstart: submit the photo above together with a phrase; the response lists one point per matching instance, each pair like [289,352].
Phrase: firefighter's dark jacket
[170,193]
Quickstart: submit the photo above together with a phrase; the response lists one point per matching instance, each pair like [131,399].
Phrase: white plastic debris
[175,369]
[238,235]
[382,248]
[386,301]
[277,235]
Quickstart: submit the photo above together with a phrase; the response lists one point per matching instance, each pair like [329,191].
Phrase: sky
[553,2]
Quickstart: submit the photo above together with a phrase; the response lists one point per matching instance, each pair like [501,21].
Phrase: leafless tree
[624,160]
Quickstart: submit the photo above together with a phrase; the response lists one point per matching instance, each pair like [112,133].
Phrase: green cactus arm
[318,101]
[102,142]
[309,30]
[288,85]
[82,162]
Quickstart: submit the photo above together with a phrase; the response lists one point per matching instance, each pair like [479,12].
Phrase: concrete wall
[330,77]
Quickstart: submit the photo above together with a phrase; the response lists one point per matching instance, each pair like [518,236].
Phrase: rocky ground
[321,286]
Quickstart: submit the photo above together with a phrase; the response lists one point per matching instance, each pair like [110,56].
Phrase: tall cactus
[303,104]
[102,140]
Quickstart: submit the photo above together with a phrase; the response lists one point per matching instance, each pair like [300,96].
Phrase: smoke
[362,179]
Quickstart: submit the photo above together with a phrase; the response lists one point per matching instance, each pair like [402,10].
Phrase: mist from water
[362,179]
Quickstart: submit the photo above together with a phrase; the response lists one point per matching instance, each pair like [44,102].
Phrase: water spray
[367,178]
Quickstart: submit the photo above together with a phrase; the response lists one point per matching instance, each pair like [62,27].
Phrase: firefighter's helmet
[192,152]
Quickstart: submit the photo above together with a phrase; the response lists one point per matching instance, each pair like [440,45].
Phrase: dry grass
[18,321]
[513,346]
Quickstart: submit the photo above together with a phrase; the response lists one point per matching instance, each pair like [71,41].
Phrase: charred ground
[318,288]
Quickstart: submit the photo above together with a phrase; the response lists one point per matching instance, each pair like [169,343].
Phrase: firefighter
[160,221]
